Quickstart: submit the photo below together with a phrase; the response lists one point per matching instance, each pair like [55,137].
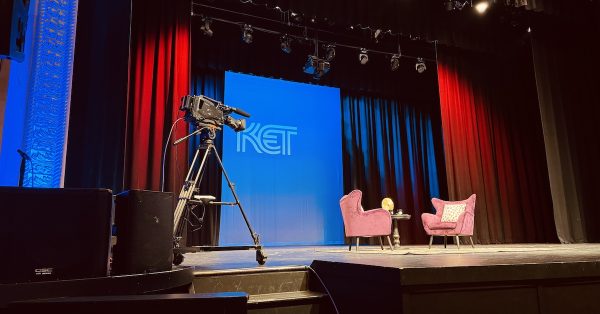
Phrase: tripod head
[207,136]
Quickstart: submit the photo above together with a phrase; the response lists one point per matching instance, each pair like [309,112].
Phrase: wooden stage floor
[518,278]
[410,256]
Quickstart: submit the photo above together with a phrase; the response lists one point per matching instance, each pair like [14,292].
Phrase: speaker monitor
[144,229]
[13,25]
[54,234]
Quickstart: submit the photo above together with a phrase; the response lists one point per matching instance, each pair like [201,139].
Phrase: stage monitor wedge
[144,225]
[54,234]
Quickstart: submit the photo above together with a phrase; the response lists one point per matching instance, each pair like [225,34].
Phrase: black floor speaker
[144,229]
[54,234]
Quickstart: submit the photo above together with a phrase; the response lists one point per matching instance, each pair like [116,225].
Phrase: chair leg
[350,247]
[357,243]
[381,242]
[471,239]
[445,241]
[457,242]
[430,241]
[390,243]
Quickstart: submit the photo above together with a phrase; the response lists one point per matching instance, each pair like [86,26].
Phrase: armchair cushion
[443,226]
[433,222]
[452,212]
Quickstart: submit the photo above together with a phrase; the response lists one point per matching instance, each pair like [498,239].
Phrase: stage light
[516,3]
[330,52]
[297,17]
[286,44]
[247,34]
[449,4]
[420,65]
[316,67]
[455,5]
[322,69]
[377,35]
[205,28]
[481,6]
[363,57]
[311,65]
[395,62]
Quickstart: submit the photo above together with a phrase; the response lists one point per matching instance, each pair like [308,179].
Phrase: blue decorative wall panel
[14,115]
[49,93]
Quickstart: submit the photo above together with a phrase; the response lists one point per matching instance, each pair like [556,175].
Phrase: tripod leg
[261,257]
[187,191]
[255,236]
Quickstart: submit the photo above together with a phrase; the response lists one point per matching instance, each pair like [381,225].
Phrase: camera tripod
[189,199]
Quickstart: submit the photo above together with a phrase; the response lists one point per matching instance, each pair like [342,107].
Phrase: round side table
[395,219]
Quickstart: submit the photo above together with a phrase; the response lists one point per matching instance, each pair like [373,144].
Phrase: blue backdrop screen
[286,165]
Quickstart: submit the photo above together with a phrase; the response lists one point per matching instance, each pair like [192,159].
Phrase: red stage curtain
[494,145]
[159,77]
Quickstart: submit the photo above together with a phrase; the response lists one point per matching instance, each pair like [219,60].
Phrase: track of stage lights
[318,66]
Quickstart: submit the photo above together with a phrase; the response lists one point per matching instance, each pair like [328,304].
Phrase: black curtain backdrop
[393,149]
[96,137]
[566,68]
[209,83]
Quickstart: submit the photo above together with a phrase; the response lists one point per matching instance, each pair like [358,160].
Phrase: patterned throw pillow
[452,211]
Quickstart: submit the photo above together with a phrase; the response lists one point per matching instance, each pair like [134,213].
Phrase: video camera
[203,111]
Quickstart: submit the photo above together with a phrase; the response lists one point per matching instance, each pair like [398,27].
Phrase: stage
[517,278]
[520,278]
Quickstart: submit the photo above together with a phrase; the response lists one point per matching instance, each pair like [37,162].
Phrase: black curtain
[567,71]
[209,83]
[96,138]
[394,149]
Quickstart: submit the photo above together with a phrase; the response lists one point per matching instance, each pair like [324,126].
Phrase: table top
[401,216]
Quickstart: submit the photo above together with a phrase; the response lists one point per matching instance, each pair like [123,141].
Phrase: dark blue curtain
[98,112]
[392,149]
[209,83]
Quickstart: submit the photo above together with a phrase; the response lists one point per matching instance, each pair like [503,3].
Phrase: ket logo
[269,139]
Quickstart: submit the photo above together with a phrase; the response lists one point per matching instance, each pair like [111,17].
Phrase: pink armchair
[457,221]
[359,223]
